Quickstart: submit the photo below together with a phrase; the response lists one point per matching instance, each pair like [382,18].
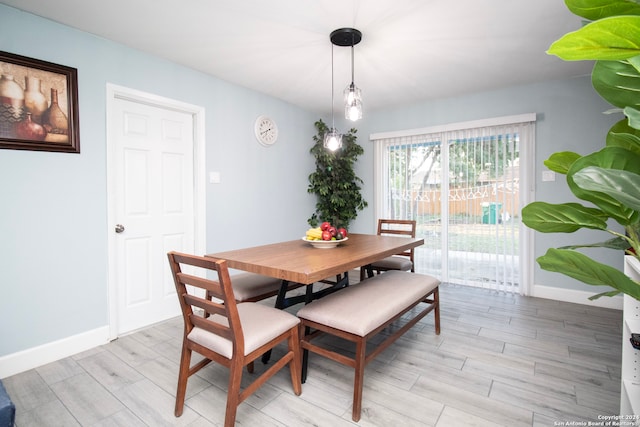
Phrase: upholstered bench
[361,311]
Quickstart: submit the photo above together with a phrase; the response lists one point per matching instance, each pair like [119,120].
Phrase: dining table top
[298,261]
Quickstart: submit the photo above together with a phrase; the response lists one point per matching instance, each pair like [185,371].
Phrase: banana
[314,234]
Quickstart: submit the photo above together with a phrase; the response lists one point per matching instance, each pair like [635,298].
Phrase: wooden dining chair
[229,333]
[402,261]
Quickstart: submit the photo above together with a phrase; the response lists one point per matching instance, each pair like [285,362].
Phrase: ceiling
[411,50]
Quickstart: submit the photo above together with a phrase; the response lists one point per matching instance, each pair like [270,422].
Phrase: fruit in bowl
[342,233]
[326,231]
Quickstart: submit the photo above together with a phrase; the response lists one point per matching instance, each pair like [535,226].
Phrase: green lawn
[488,238]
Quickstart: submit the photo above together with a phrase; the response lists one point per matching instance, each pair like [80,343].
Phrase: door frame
[115,92]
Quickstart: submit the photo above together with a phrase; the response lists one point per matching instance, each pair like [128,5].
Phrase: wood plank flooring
[501,360]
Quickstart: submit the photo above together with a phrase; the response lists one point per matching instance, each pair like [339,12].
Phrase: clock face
[266,131]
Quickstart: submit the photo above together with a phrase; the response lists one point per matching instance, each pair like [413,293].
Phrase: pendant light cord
[352,62]
[333,122]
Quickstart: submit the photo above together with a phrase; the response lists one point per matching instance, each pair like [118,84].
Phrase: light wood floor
[501,360]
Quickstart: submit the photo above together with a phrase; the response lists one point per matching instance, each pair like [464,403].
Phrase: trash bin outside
[491,212]
[485,212]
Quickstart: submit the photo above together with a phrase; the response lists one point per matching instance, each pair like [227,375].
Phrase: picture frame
[38,105]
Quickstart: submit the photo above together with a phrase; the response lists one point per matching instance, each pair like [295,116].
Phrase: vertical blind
[463,185]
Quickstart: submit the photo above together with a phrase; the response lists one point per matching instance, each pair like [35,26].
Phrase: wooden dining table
[298,262]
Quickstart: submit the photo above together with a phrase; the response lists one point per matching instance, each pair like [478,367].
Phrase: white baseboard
[30,358]
[577,297]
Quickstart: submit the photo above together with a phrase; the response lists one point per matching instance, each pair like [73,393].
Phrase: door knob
[119,228]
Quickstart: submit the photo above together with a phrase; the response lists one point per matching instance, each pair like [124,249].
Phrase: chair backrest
[398,227]
[196,309]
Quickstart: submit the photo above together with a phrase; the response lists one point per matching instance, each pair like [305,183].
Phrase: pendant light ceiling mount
[346,37]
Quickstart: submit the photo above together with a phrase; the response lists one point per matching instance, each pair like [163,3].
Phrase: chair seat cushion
[260,324]
[250,285]
[361,308]
[393,263]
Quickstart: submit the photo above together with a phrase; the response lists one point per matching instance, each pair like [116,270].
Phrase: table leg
[305,357]
[281,302]
[280,299]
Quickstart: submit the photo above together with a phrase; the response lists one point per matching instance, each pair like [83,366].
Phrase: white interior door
[152,208]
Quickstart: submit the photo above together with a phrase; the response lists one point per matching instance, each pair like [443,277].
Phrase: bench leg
[358,381]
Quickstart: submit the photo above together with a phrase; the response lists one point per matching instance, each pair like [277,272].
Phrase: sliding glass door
[463,187]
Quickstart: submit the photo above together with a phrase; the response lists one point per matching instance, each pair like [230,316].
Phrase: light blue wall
[53,219]
[53,216]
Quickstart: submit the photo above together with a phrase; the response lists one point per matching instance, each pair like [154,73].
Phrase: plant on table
[608,179]
[334,181]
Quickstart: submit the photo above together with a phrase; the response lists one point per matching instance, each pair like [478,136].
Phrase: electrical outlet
[548,176]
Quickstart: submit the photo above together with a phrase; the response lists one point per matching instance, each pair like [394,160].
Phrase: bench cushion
[361,308]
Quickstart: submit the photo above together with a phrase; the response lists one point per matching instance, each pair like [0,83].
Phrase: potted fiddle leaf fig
[609,179]
[334,182]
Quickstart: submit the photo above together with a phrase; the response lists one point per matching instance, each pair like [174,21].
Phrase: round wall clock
[266,131]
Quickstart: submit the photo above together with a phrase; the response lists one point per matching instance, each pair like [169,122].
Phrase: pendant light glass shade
[332,140]
[352,103]
[352,95]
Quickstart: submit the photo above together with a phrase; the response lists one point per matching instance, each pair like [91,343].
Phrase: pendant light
[352,94]
[332,139]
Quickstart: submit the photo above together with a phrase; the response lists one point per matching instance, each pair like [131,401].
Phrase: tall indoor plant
[608,179]
[334,181]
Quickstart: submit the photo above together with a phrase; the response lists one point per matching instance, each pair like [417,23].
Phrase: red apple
[343,231]
[325,226]
[326,235]
[333,231]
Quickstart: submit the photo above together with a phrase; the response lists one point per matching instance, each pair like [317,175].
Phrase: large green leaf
[561,162]
[635,62]
[611,39]
[617,243]
[581,267]
[598,9]
[634,116]
[624,136]
[621,185]
[562,218]
[618,82]
[607,158]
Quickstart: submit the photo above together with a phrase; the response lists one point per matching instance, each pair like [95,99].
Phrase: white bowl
[325,244]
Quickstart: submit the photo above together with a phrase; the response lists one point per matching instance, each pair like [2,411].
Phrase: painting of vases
[38,105]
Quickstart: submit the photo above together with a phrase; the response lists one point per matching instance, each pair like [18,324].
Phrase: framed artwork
[38,105]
